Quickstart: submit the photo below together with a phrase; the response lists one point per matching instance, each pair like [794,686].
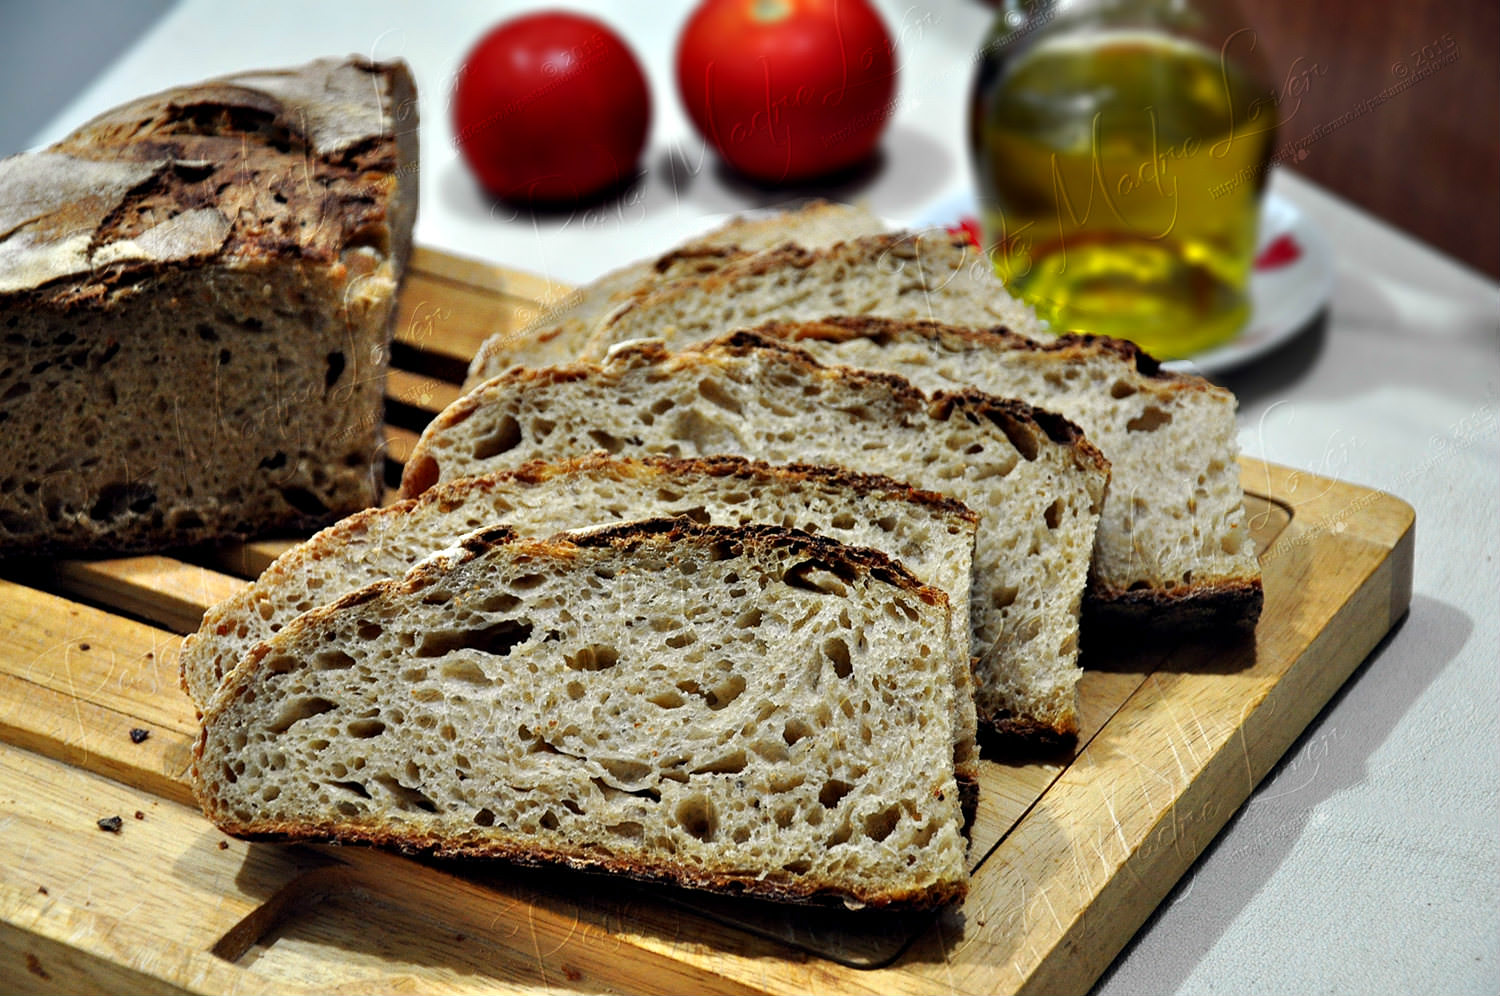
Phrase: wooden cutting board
[1069,856]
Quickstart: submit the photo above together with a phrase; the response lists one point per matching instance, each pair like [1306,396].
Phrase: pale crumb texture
[1173,522]
[1038,497]
[560,332]
[931,536]
[735,709]
[895,275]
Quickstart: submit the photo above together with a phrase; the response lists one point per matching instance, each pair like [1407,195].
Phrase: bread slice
[744,709]
[1035,482]
[559,334]
[931,535]
[1173,548]
[196,298]
[931,276]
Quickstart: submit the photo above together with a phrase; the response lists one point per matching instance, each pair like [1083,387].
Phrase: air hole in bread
[485,818]
[714,393]
[1150,420]
[404,796]
[368,630]
[505,437]
[684,639]
[1120,389]
[1019,434]
[817,576]
[279,664]
[498,602]
[365,729]
[300,709]
[525,582]
[356,788]
[832,791]
[837,652]
[625,771]
[593,658]
[730,764]
[629,829]
[498,639]
[696,815]
[465,671]
[1053,515]
[332,660]
[749,619]
[608,442]
[695,429]
[880,824]
[669,699]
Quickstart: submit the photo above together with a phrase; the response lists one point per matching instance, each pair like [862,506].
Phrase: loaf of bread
[196,297]
[743,709]
[895,275]
[1035,482]
[1173,549]
[560,332]
[930,535]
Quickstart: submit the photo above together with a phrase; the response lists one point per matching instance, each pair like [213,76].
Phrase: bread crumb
[140,815]
[43,890]
[137,735]
[111,824]
[223,845]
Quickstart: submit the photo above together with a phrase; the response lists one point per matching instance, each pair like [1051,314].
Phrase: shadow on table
[1380,692]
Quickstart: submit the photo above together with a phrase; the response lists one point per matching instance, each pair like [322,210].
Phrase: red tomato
[551,107]
[787,90]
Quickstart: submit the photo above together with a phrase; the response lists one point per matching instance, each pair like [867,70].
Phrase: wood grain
[1069,856]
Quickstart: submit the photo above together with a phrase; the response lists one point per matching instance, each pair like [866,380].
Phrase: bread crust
[199,288]
[191,139]
[812,892]
[1220,607]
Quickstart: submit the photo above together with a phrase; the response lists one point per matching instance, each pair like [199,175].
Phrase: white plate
[1285,295]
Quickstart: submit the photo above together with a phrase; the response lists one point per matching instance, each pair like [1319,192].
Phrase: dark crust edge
[57,292]
[814,892]
[727,465]
[939,405]
[1010,739]
[843,328]
[856,559]
[1231,607]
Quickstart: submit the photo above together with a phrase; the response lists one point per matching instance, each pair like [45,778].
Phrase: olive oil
[1120,174]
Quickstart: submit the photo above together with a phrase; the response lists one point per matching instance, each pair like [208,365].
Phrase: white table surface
[1367,862]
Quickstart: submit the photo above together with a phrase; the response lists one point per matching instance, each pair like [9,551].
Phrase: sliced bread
[895,275]
[743,709]
[560,332]
[931,535]
[1173,548]
[1036,483]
